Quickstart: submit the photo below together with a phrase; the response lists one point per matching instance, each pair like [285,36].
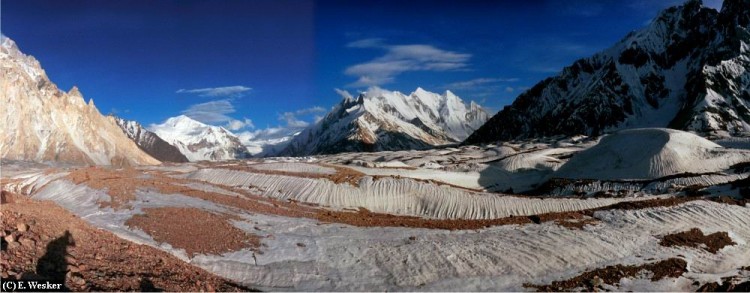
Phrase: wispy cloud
[211,112]
[478,82]
[292,123]
[292,120]
[235,125]
[311,110]
[343,93]
[367,43]
[402,58]
[226,91]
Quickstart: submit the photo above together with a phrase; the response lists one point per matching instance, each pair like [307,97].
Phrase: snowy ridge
[42,123]
[200,142]
[389,120]
[686,70]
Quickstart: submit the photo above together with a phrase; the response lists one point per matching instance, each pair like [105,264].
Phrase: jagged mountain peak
[43,123]
[380,119]
[686,70]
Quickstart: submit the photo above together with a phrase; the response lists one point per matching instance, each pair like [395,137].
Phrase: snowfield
[428,220]
[650,153]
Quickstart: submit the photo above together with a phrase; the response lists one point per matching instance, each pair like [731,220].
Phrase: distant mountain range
[376,120]
[686,70]
[380,120]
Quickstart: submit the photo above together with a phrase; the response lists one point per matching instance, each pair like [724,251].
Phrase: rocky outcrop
[42,123]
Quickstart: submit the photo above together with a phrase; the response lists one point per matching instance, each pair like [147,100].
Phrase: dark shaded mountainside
[686,70]
[149,142]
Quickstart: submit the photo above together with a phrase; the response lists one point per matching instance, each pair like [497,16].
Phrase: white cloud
[291,120]
[235,125]
[227,91]
[402,58]
[247,137]
[478,82]
[367,43]
[211,112]
[343,93]
[509,89]
[311,110]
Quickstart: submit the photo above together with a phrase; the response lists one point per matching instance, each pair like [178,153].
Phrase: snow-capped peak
[390,120]
[184,121]
[199,141]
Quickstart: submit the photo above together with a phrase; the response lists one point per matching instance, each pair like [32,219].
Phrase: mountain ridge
[379,119]
[43,123]
[149,142]
[686,70]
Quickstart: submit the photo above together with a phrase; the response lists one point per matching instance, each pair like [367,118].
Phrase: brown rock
[78,280]
[10,238]
[70,260]
[22,227]
[27,242]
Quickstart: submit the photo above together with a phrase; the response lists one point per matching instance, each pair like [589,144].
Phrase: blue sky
[275,63]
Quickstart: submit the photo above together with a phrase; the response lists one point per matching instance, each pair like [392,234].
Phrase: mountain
[200,142]
[379,120]
[149,142]
[686,70]
[42,123]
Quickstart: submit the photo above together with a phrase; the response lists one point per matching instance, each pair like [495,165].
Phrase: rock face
[149,142]
[42,123]
[380,120]
[200,142]
[686,70]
